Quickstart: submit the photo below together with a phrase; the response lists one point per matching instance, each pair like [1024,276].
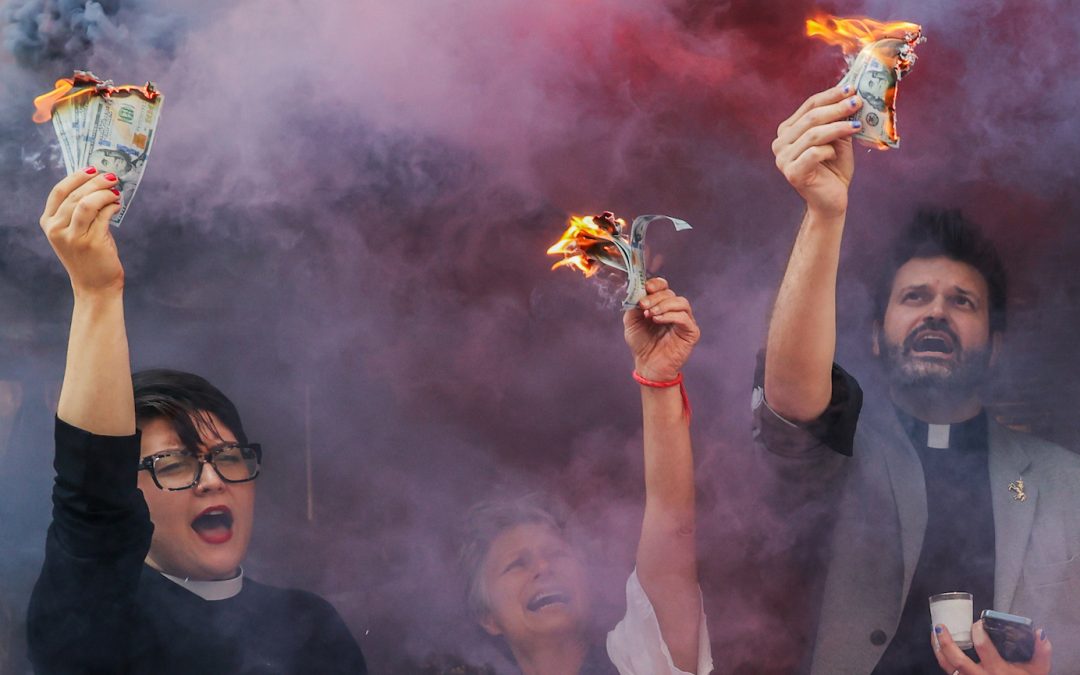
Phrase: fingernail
[114,191]
[854,101]
[110,176]
[646,312]
[847,88]
[1042,634]
[856,124]
[91,170]
[937,629]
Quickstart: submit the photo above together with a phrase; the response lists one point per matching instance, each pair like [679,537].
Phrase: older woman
[526,580]
[150,526]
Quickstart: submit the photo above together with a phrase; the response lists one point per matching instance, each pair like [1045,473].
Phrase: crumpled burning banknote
[103,125]
[591,242]
[878,55]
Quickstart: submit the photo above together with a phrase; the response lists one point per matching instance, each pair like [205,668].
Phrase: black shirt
[96,608]
[958,547]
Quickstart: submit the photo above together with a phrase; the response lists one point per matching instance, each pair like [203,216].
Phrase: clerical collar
[211,590]
[944,436]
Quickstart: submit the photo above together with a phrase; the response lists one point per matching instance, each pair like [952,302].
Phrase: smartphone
[1011,634]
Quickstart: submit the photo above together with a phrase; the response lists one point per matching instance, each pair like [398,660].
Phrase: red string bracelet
[678,381]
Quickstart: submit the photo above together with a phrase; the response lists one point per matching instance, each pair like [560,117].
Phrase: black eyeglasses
[181,469]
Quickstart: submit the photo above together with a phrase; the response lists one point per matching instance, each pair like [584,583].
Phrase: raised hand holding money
[813,149]
[661,332]
[76,222]
[108,127]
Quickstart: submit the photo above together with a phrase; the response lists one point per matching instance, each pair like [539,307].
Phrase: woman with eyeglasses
[153,502]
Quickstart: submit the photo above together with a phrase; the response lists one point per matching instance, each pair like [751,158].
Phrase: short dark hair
[484,523]
[184,399]
[945,232]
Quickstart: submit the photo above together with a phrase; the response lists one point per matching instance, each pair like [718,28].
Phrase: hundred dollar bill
[101,125]
[878,55]
[873,75]
[600,240]
[635,285]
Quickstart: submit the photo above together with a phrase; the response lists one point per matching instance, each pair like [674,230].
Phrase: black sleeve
[331,648]
[834,429]
[84,602]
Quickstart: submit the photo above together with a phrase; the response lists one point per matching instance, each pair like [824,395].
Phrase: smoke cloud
[343,225]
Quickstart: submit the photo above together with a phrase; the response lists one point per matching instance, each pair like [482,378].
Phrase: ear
[875,347]
[489,624]
[997,344]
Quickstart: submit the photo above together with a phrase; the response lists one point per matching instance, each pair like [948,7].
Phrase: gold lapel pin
[1017,488]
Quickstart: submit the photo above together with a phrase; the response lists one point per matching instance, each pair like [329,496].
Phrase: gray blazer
[879,501]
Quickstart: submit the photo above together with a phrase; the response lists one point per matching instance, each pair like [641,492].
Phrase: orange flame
[83,83]
[853,33]
[583,240]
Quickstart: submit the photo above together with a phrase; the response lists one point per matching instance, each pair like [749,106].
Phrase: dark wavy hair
[184,400]
[945,232]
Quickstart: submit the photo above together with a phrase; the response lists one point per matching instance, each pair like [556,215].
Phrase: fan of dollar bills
[594,241]
[103,125]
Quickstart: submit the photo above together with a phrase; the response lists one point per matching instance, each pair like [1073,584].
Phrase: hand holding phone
[1012,635]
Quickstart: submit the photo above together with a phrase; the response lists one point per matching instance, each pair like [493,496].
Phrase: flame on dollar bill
[591,243]
[879,54]
[84,83]
[103,125]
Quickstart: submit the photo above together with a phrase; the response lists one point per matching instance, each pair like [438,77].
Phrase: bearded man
[923,492]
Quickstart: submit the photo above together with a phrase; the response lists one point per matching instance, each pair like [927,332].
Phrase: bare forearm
[97,395]
[666,557]
[802,331]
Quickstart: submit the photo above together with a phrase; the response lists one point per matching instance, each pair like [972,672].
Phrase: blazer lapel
[1013,517]
[909,490]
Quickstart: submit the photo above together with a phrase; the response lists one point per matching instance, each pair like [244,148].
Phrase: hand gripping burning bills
[591,242]
[103,125]
[878,56]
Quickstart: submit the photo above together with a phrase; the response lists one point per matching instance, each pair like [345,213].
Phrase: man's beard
[962,375]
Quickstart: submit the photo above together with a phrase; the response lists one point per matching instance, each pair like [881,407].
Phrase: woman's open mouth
[214,525]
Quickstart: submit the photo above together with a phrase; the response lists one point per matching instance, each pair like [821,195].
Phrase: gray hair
[484,523]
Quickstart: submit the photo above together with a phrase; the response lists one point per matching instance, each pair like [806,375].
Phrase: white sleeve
[636,646]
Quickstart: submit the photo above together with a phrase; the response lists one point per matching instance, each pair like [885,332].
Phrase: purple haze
[350,202]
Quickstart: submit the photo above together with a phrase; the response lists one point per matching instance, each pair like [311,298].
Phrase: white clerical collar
[937,436]
[211,590]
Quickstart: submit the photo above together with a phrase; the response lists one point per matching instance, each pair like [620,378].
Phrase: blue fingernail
[854,100]
[847,89]
[937,629]
[856,123]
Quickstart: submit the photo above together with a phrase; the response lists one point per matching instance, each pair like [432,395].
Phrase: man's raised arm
[813,151]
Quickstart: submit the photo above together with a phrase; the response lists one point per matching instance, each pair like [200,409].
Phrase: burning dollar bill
[878,56]
[103,125]
[593,242]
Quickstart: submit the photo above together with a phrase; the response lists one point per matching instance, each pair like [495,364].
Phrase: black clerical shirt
[958,547]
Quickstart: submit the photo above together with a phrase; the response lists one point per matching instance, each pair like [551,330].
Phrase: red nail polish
[91,170]
[114,191]
[110,176]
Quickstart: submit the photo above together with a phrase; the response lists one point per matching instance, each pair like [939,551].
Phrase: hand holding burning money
[105,126]
[878,56]
[661,333]
[594,241]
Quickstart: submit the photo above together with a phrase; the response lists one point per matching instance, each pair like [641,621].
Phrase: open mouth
[932,342]
[214,525]
[546,599]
